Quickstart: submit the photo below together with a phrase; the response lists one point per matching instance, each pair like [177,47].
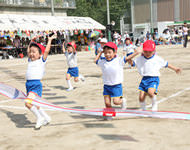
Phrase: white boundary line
[5,101]
[173,95]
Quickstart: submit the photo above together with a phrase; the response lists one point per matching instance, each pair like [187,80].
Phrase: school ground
[76,132]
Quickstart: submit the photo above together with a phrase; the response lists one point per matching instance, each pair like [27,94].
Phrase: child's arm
[98,56]
[63,47]
[177,70]
[138,50]
[48,46]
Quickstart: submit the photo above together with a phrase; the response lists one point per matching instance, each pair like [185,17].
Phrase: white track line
[171,96]
[5,101]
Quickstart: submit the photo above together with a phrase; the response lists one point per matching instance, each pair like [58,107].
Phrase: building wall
[165,11]
[32,11]
[141,11]
[184,10]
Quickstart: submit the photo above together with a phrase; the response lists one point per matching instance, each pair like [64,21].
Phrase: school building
[157,14]
[36,7]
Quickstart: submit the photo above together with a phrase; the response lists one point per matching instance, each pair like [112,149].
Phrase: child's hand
[35,37]
[178,70]
[52,37]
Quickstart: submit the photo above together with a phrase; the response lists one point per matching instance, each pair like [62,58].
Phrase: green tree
[97,9]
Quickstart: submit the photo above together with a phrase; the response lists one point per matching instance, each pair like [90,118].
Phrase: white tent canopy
[40,23]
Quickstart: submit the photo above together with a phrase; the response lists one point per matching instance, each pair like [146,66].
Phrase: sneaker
[82,78]
[155,107]
[39,123]
[124,104]
[70,89]
[47,121]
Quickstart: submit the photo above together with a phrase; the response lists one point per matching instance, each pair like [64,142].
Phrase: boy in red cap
[37,56]
[73,70]
[112,70]
[149,65]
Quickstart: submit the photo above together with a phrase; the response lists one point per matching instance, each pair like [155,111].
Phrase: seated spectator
[9,42]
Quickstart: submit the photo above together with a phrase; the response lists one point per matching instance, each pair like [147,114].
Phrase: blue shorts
[113,90]
[74,72]
[34,86]
[129,54]
[149,82]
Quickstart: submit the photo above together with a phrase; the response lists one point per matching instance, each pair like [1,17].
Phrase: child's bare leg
[142,96]
[76,79]
[120,101]
[151,93]
[117,100]
[107,100]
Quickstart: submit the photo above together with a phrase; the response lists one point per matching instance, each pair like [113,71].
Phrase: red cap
[72,44]
[41,47]
[111,45]
[149,45]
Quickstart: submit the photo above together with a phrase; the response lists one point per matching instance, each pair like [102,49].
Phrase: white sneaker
[70,89]
[39,123]
[155,107]
[124,104]
[47,121]
[82,78]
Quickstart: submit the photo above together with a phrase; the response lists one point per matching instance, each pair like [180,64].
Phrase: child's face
[148,54]
[127,42]
[70,49]
[34,53]
[109,53]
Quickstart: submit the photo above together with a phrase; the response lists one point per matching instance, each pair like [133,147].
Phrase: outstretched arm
[176,69]
[98,56]
[138,50]
[48,46]
[63,47]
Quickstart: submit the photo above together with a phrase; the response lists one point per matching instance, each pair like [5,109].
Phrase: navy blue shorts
[129,54]
[74,72]
[113,90]
[34,86]
[149,82]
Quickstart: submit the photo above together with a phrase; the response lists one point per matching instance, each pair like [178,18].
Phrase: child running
[149,65]
[37,57]
[128,49]
[73,70]
[112,70]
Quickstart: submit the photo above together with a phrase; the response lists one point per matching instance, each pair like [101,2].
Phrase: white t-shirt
[129,48]
[150,66]
[185,31]
[36,69]
[71,59]
[112,70]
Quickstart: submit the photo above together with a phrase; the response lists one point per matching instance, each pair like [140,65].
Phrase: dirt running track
[69,131]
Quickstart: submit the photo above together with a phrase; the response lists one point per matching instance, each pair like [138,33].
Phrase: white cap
[103,40]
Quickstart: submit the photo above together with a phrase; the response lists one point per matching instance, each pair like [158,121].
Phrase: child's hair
[40,47]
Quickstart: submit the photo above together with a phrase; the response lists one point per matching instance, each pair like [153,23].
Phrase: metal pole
[52,7]
[108,20]
[151,18]
[132,16]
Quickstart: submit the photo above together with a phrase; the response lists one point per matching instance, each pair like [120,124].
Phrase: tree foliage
[97,9]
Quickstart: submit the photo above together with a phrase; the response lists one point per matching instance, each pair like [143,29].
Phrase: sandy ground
[73,131]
